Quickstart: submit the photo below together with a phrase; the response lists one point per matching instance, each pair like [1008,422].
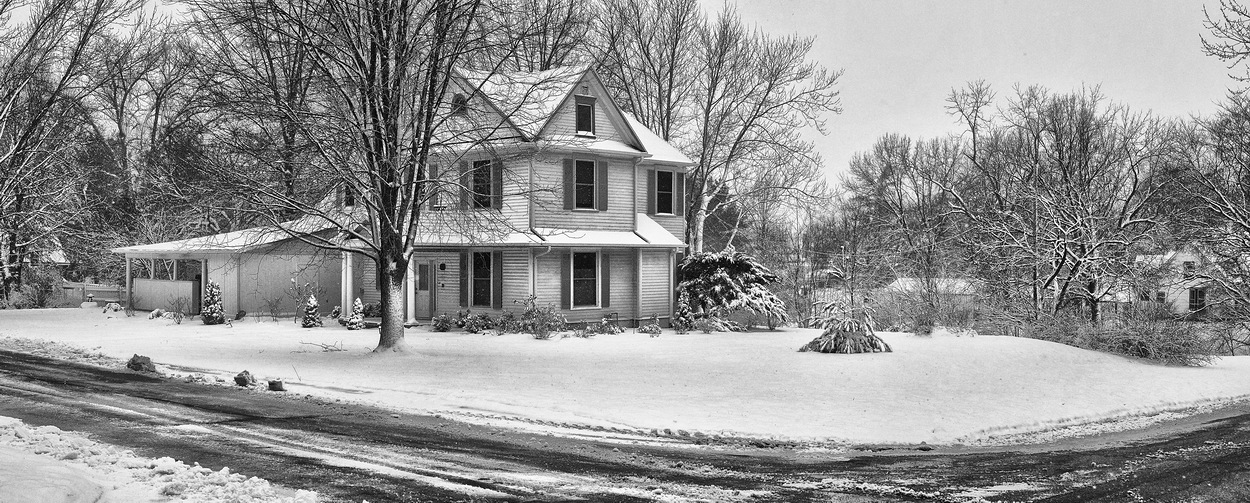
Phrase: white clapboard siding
[623,293]
[549,210]
[656,283]
[516,279]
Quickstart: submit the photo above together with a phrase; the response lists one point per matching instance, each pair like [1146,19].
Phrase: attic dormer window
[586,115]
[459,104]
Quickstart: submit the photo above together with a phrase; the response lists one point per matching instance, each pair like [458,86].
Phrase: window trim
[594,184]
[573,280]
[473,279]
[579,102]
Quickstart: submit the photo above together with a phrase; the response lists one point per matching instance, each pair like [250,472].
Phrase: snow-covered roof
[230,242]
[527,99]
[660,150]
[949,286]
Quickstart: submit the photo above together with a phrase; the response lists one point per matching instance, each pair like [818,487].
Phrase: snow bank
[940,389]
[47,464]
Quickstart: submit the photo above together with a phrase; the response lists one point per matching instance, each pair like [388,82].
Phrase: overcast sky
[902,57]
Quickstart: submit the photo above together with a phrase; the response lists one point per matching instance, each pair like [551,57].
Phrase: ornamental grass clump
[846,331]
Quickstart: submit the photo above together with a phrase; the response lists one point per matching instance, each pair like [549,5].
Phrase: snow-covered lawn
[45,464]
[939,389]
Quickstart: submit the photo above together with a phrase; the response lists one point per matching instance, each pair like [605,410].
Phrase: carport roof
[228,242]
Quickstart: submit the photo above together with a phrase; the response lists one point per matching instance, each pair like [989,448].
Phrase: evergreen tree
[357,319]
[311,317]
[683,319]
[211,312]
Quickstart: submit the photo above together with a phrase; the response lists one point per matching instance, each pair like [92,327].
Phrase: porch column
[410,292]
[345,293]
[129,286]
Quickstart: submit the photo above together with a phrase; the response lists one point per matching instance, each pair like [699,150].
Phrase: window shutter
[679,194]
[650,191]
[496,184]
[568,184]
[601,185]
[496,284]
[605,281]
[432,187]
[466,183]
[566,280]
[464,279]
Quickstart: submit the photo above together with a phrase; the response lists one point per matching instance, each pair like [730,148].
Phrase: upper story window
[1188,269]
[585,115]
[459,104]
[349,197]
[482,184]
[664,192]
[584,185]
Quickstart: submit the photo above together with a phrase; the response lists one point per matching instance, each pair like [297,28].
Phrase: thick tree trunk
[391,278]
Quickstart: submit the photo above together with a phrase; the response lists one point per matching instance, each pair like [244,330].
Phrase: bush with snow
[211,311]
[846,330]
[723,282]
[311,317]
[357,320]
[1140,334]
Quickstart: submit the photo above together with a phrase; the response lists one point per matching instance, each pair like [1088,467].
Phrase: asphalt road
[349,452]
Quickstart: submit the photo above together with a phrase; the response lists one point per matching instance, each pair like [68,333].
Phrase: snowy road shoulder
[47,465]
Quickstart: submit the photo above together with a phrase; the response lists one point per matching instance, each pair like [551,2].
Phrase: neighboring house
[583,207]
[1174,280]
[906,292]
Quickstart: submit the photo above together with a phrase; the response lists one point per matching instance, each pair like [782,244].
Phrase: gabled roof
[527,99]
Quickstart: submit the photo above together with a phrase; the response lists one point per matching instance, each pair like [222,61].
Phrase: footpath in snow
[939,389]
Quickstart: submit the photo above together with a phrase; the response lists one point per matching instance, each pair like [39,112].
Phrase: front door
[424,301]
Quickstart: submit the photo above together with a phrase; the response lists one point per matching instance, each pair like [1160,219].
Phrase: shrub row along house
[572,201]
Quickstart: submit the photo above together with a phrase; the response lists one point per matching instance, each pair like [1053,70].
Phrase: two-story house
[570,199]
[1174,280]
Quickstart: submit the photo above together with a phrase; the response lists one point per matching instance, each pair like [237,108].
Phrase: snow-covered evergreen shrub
[846,331]
[683,319]
[311,317]
[211,311]
[357,320]
[722,282]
